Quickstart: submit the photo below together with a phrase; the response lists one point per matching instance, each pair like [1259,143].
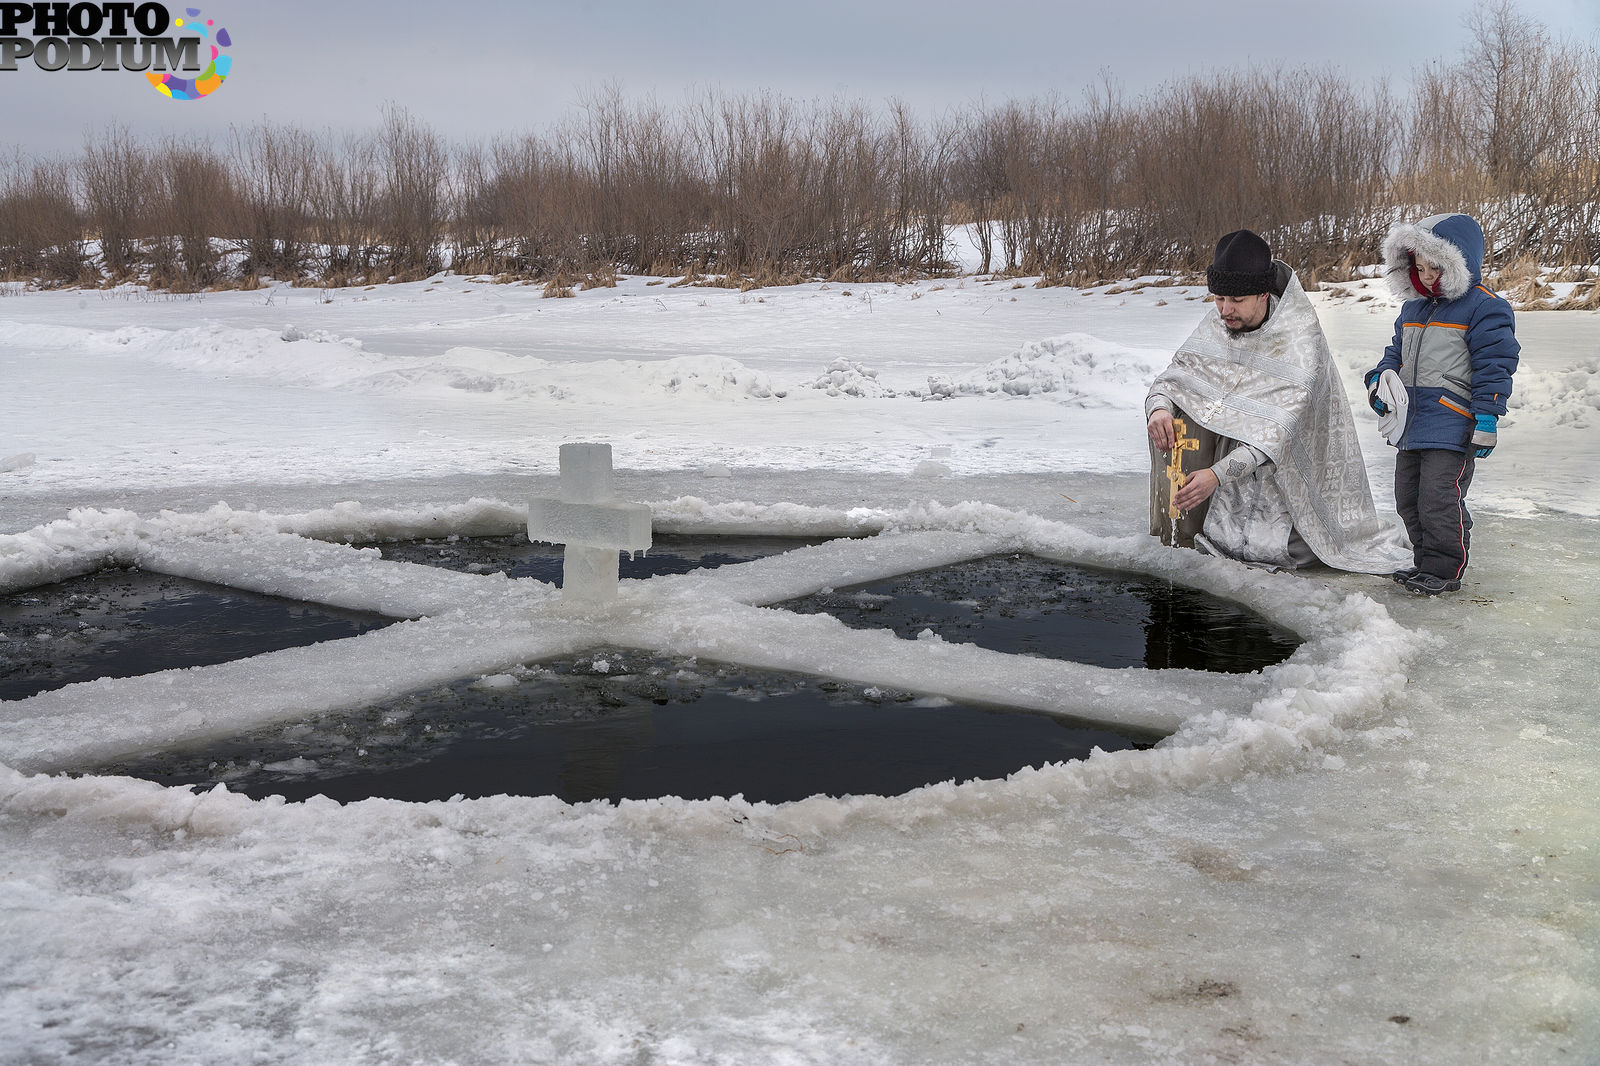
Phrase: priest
[1253,447]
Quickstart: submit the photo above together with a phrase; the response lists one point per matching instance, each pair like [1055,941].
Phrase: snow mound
[1566,397]
[292,333]
[607,382]
[1076,369]
[288,356]
[40,335]
[846,378]
[706,375]
[320,359]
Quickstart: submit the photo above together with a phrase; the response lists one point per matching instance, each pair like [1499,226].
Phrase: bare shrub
[757,189]
[275,169]
[1523,283]
[525,207]
[114,176]
[914,240]
[1585,296]
[475,234]
[759,160]
[412,162]
[1511,133]
[343,195]
[1295,154]
[1116,189]
[191,196]
[41,230]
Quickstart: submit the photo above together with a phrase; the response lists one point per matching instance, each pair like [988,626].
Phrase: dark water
[1012,603]
[623,724]
[119,623]
[1028,605]
[124,622]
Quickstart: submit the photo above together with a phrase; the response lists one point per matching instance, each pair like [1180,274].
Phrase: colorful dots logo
[216,72]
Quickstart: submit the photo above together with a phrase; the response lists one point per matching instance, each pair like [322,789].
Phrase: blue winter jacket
[1456,349]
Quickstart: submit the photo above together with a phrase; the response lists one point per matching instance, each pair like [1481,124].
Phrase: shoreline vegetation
[758,190]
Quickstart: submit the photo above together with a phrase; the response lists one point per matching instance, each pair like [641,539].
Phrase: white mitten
[1392,423]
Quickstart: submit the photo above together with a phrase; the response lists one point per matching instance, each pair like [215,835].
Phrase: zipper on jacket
[1432,307]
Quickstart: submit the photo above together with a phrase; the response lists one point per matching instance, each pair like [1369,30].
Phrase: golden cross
[1175,477]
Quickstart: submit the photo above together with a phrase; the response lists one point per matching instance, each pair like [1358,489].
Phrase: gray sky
[496,67]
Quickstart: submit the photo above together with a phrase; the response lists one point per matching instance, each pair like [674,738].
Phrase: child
[1455,349]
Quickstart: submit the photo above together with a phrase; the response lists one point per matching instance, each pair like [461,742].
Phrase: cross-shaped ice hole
[471,625]
[592,524]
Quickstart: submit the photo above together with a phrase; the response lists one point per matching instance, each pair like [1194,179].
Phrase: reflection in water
[1024,604]
[596,750]
[1190,630]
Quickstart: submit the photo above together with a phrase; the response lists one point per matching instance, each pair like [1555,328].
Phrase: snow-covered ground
[1382,851]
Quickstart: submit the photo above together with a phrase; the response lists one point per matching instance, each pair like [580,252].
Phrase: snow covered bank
[1076,370]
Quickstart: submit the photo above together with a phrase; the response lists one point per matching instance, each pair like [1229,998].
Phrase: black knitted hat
[1241,267]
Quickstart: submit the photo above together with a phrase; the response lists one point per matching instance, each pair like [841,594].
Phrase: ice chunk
[586,472]
[619,526]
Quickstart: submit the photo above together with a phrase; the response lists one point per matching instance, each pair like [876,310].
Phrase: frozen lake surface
[1383,849]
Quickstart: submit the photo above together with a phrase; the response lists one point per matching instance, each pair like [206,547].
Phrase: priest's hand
[1197,489]
[1160,430]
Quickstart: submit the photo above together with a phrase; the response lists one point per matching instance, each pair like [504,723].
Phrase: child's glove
[1393,404]
[1377,405]
[1483,438]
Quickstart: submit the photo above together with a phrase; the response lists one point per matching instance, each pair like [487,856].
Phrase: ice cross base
[592,524]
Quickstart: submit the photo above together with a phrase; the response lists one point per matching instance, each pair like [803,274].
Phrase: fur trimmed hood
[1454,242]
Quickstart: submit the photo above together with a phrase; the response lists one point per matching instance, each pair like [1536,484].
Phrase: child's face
[1427,273]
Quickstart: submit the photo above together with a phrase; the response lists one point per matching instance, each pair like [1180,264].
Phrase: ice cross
[589,520]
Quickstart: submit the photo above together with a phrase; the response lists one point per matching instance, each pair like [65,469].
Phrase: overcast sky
[474,70]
